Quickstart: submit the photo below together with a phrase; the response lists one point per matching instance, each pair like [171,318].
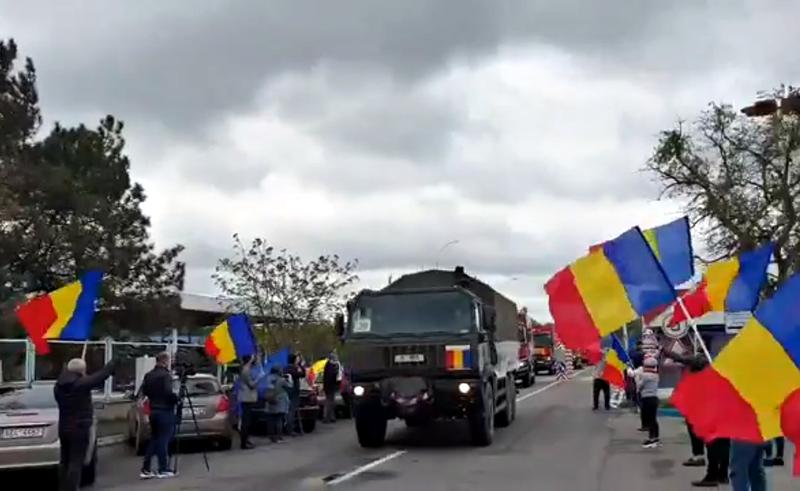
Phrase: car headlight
[464,388]
[358,391]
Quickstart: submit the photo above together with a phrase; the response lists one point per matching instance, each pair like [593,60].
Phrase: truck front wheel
[371,429]
[481,419]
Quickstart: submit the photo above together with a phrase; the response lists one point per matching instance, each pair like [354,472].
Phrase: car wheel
[308,424]
[527,380]
[505,417]
[89,473]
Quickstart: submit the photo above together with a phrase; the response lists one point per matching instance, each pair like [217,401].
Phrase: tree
[68,205]
[740,179]
[280,288]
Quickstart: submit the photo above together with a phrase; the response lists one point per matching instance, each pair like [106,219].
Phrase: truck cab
[433,345]
[544,352]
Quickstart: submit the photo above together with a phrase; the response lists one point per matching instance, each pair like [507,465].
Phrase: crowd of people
[738,463]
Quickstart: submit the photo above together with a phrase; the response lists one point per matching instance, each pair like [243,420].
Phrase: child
[647,380]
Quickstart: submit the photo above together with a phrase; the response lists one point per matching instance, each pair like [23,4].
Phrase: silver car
[29,431]
[211,407]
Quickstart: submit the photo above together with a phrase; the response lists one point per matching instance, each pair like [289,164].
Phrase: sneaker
[706,482]
[165,475]
[695,462]
[778,462]
[146,475]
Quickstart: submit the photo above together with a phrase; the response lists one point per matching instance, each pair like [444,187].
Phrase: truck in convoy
[544,351]
[525,373]
[432,345]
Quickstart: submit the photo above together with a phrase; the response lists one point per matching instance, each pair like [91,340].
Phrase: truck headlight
[358,391]
[464,388]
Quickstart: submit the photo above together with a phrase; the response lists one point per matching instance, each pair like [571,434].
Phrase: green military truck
[431,345]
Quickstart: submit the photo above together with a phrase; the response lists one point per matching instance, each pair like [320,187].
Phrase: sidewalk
[662,466]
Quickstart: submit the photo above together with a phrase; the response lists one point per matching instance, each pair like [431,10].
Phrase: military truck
[432,345]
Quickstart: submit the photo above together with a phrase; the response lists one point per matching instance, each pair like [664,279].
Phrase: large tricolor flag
[617,360]
[232,339]
[601,292]
[752,387]
[672,245]
[66,313]
[732,285]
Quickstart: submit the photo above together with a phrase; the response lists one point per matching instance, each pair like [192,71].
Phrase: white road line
[548,386]
[365,468]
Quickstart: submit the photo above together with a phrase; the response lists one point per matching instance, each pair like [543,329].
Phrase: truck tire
[481,419]
[506,416]
[528,378]
[371,429]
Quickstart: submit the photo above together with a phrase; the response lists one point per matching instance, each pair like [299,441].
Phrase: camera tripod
[183,394]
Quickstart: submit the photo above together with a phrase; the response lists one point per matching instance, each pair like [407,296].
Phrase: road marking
[366,467]
[548,386]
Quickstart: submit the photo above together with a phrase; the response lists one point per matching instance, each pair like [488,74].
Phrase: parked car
[211,407]
[29,431]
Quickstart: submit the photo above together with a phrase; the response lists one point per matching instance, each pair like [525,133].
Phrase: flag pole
[83,353]
[692,323]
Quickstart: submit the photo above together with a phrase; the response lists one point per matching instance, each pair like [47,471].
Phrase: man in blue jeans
[747,466]
[158,388]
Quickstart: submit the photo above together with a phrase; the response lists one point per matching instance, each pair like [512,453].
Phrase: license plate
[409,358]
[198,412]
[21,433]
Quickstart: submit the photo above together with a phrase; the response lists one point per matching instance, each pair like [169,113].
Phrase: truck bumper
[442,399]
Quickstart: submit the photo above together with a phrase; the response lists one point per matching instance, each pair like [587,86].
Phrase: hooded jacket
[73,393]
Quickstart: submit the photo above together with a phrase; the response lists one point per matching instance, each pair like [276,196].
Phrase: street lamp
[441,250]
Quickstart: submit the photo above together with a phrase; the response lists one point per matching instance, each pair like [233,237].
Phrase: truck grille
[403,356]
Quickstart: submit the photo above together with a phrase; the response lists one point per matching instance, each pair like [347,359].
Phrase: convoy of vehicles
[544,350]
[432,345]
[29,431]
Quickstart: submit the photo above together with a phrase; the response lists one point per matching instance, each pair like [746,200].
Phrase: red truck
[525,374]
[543,352]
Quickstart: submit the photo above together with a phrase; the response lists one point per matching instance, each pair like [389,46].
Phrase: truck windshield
[543,341]
[414,313]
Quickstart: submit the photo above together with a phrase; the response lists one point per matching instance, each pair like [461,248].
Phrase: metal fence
[19,363]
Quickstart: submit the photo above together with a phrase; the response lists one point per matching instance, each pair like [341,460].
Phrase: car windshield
[414,313]
[28,398]
[543,341]
[200,387]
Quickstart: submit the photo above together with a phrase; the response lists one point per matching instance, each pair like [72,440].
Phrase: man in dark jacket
[330,385]
[158,388]
[296,370]
[73,393]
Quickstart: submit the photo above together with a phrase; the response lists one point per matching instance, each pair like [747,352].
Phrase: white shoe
[165,475]
[146,475]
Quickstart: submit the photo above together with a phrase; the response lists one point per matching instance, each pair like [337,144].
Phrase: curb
[107,441]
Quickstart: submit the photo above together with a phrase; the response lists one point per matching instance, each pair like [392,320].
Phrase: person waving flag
[617,360]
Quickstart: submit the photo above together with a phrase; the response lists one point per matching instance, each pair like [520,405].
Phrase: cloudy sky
[383,130]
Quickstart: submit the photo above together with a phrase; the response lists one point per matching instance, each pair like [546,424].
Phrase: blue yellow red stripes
[231,339]
[616,360]
[672,245]
[66,313]
[732,285]
[752,377]
[611,286]
[458,357]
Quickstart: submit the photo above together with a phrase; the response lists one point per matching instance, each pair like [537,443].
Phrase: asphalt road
[557,443]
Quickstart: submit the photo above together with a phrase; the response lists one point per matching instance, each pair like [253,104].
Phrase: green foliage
[282,290]
[67,204]
[739,177]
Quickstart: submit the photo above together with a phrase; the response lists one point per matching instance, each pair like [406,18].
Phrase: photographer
[158,388]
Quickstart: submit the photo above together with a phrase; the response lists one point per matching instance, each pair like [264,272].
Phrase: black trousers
[719,456]
[780,445]
[698,447]
[650,416]
[603,386]
[246,425]
[275,422]
[74,444]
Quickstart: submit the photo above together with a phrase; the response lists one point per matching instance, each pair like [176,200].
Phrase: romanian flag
[601,292]
[732,285]
[753,385]
[616,361]
[672,245]
[66,313]
[231,339]
[458,357]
